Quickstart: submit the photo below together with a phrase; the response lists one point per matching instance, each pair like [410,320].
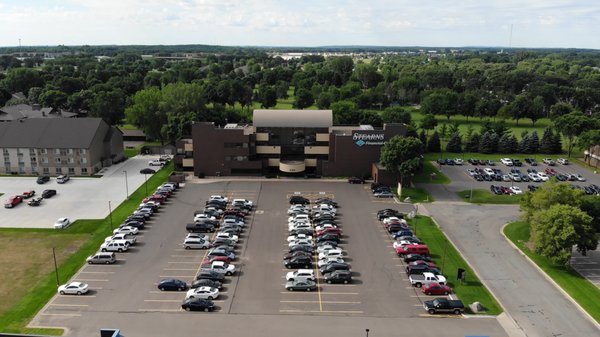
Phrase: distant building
[17,112]
[54,146]
[290,142]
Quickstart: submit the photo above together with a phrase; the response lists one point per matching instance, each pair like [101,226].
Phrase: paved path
[537,306]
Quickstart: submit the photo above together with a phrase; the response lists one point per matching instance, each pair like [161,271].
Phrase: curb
[505,320]
[556,285]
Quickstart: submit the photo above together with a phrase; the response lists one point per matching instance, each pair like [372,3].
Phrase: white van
[62,179]
[102,258]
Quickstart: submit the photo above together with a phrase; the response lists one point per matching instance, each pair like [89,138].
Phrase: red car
[13,201]
[436,289]
[210,260]
[28,194]
[550,171]
[156,198]
[333,230]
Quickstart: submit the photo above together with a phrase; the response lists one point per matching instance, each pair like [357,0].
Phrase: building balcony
[292,166]
[187,162]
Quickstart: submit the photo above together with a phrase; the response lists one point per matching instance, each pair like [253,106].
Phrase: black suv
[43,179]
[333,267]
[48,194]
[298,262]
[200,227]
[338,276]
[299,200]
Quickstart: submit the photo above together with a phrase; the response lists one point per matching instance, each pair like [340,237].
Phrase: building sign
[362,139]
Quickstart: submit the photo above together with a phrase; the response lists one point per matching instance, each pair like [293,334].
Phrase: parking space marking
[188,256]
[68,305]
[182,262]
[337,293]
[442,316]
[178,301]
[165,292]
[325,302]
[174,276]
[48,314]
[186,269]
[159,310]
[105,265]
[96,272]
[90,280]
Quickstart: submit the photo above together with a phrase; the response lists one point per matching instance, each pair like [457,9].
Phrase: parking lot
[79,198]
[380,288]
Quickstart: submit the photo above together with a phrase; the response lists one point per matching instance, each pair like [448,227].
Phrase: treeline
[221,87]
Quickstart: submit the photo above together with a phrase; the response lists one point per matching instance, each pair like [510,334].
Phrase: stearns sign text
[362,139]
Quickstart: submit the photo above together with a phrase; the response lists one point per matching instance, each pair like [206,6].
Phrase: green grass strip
[16,319]
[448,259]
[425,176]
[480,196]
[584,292]
[416,194]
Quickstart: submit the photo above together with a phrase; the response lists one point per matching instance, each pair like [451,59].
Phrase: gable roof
[75,133]
[21,111]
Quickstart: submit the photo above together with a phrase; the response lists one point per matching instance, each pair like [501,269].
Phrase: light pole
[146,183]
[367,331]
[55,266]
[126,185]
[110,216]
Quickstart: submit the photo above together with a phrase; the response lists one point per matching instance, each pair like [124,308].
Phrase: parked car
[43,179]
[197,304]
[48,194]
[73,288]
[516,190]
[206,293]
[562,161]
[300,275]
[35,201]
[416,257]
[62,223]
[61,179]
[172,284]
[298,262]
[333,267]
[156,162]
[28,194]
[194,243]
[548,161]
[210,275]
[126,230]
[442,305]
[383,194]
[13,201]
[436,289]
[506,161]
[102,258]
[338,276]
[356,180]
[301,285]
[203,282]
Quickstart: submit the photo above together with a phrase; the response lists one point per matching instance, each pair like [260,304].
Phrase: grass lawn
[487,197]
[449,260]
[416,194]
[579,288]
[424,177]
[25,266]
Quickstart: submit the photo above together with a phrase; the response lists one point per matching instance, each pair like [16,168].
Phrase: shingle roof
[293,118]
[21,111]
[76,133]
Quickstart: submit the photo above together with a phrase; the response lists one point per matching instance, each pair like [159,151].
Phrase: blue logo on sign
[360,142]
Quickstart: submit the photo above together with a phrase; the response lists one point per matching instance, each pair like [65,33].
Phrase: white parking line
[183,262]
[188,269]
[189,256]
[96,272]
[159,310]
[324,302]
[105,265]
[332,293]
[178,301]
[47,314]
[175,276]
[69,305]
[91,280]
[166,292]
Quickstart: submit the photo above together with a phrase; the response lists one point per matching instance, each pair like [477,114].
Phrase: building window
[70,151]
[43,151]
[82,151]
[83,161]
[56,151]
[58,170]
[46,170]
[7,168]
[21,169]
[71,170]
[45,160]
[33,169]
[5,151]
[71,160]
[63,152]
[32,152]
[84,170]
[33,159]
[57,160]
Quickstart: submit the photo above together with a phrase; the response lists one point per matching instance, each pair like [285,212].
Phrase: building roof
[132,133]
[75,133]
[21,111]
[293,118]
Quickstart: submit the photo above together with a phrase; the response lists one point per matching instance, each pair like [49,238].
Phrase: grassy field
[579,288]
[425,176]
[449,260]
[487,197]
[416,194]
[30,266]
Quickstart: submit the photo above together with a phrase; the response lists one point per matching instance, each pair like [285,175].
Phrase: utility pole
[55,264]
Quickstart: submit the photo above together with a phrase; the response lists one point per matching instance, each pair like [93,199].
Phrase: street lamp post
[55,266]
[146,182]
[110,216]
[126,185]
[367,331]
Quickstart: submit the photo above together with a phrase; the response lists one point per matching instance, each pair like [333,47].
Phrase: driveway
[536,305]
[79,198]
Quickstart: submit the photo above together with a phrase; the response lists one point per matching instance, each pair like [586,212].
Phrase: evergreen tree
[485,144]
[468,133]
[433,144]
[453,128]
[504,144]
[423,138]
[454,144]
[535,142]
[500,128]
[486,126]
[472,144]
[513,144]
[444,131]
[547,143]
[494,138]
[525,145]
[556,143]
[411,131]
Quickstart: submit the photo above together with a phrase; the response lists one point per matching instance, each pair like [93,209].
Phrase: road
[536,305]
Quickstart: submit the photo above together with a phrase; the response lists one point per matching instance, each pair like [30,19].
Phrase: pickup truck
[129,238]
[219,267]
[442,305]
[425,279]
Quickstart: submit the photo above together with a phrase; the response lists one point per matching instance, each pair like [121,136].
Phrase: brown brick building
[293,142]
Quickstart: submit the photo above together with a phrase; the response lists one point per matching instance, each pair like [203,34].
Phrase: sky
[458,23]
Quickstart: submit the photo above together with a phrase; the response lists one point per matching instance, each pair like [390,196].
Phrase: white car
[243,201]
[458,161]
[543,176]
[471,172]
[233,222]
[394,219]
[299,217]
[579,177]
[197,236]
[300,275]
[489,171]
[298,237]
[131,239]
[325,226]
[506,177]
[534,177]
[329,260]
[304,242]
[220,267]
[516,190]
[115,246]
[401,243]
[203,216]
[195,243]
[548,161]
[338,252]
[325,248]
[297,226]
[155,162]
[150,204]
[126,230]
[73,288]
[562,161]
[507,161]
[515,176]
[62,223]
[218,197]
[206,293]
[228,236]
